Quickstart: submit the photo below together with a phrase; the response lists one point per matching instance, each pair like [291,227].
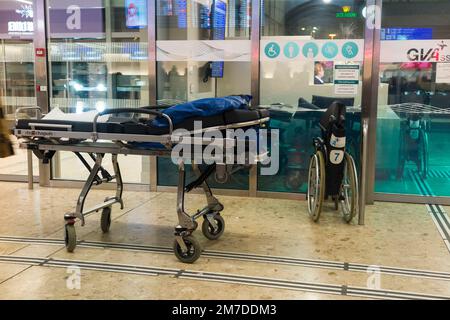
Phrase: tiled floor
[395,235]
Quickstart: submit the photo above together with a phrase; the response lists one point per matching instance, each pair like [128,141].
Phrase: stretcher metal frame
[44,143]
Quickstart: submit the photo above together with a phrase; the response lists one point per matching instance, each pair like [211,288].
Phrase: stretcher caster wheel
[70,237]
[193,250]
[349,189]
[105,221]
[316,185]
[213,232]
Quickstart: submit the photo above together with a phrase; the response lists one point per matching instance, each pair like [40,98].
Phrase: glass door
[311,55]
[414,100]
[17,81]
[203,50]
[98,52]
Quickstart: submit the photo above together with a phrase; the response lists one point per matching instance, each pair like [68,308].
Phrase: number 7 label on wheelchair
[336,156]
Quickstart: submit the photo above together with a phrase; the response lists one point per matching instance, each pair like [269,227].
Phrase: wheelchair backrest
[335,114]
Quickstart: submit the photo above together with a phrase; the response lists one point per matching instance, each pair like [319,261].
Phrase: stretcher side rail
[18,110]
[129,110]
[166,139]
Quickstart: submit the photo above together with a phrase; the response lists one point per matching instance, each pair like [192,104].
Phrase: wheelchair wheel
[293,180]
[401,153]
[424,155]
[316,185]
[349,189]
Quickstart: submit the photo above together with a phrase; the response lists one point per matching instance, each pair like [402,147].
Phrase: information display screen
[406,33]
[219,21]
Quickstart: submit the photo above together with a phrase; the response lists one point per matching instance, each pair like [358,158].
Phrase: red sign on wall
[40,52]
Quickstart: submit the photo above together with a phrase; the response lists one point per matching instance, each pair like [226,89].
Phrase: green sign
[346,15]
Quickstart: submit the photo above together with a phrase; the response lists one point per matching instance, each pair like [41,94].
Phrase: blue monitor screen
[406,33]
[217,69]
[181,12]
[205,19]
[219,20]
[165,8]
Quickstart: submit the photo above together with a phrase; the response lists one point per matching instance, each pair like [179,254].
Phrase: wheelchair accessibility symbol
[350,50]
[272,50]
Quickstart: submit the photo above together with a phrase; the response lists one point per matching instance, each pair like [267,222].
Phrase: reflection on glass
[17,79]
[184,27]
[98,59]
[311,55]
[16,75]
[413,122]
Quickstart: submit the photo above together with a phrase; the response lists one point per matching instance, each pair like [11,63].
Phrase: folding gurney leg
[80,212]
[185,222]
[186,247]
[213,203]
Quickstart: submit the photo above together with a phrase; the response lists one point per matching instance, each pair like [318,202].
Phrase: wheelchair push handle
[333,119]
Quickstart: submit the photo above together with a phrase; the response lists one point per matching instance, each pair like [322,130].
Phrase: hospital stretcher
[132,136]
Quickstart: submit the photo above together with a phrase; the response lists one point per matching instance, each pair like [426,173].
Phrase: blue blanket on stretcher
[202,108]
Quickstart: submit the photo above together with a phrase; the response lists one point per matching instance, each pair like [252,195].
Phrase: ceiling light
[101,87]
[76,86]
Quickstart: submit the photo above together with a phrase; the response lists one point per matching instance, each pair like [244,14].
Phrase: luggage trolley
[332,171]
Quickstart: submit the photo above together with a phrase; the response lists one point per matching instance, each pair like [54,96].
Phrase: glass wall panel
[311,55]
[16,72]
[98,59]
[203,50]
[414,99]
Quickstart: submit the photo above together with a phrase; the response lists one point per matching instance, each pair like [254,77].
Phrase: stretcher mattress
[142,127]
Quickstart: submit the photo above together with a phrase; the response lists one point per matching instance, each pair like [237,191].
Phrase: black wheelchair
[332,170]
[414,144]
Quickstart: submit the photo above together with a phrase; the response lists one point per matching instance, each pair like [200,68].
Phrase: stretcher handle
[38,112]
[129,110]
